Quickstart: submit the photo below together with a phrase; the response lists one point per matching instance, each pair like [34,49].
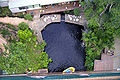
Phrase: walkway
[11,20]
[55,8]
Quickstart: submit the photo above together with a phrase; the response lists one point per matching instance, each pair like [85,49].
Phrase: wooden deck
[55,8]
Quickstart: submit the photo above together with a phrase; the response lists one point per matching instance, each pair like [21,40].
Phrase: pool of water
[64,46]
[63,77]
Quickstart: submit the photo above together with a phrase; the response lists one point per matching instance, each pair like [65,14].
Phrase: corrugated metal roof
[20,3]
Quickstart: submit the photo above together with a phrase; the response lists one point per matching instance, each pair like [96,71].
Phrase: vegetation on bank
[8,31]
[24,53]
[5,11]
[103,27]
[28,17]
[76,11]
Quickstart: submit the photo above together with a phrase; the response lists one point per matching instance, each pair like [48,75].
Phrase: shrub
[28,17]
[24,35]
[5,32]
[23,26]
[20,15]
[76,11]
[66,12]
[24,55]
[10,26]
[19,60]
[5,11]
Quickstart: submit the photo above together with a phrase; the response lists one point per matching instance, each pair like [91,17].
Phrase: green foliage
[20,15]
[76,11]
[66,12]
[5,32]
[24,54]
[10,26]
[104,26]
[5,11]
[18,60]
[24,35]
[93,49]
[28,17]
[23,26]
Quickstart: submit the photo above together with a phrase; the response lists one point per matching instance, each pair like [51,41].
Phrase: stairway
[106,63]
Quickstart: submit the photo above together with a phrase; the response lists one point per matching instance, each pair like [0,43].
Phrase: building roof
[20,3]
[3,3]
[3,0]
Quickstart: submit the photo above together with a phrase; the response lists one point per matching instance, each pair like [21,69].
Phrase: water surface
[64,46]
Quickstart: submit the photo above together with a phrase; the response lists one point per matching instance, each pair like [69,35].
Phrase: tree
[66,12]
[28,17]
[23,26]
[76,11]
[24,35]
[24,54]
[5,11]
[20,59]
[103,26]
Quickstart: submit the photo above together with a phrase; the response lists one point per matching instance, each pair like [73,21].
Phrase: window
[31,13]
[36,5]
[31,6]
[22,8]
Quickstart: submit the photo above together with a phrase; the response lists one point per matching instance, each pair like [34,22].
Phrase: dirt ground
[13,21]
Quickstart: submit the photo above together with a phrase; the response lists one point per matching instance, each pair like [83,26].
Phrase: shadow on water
[64,46]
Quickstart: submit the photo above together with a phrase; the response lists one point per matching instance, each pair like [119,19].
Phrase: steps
[106,63]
